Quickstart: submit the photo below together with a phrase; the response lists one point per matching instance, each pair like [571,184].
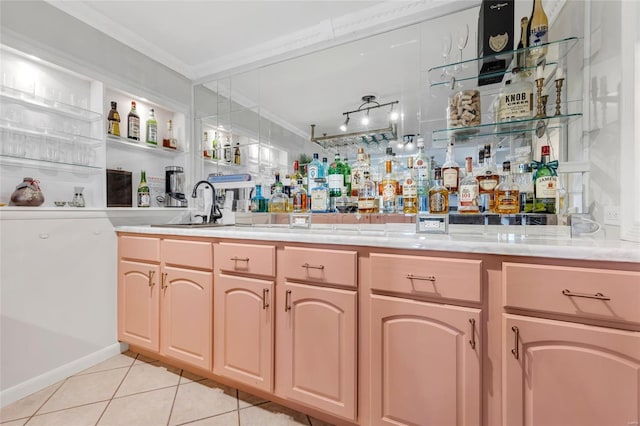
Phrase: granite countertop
[551,246]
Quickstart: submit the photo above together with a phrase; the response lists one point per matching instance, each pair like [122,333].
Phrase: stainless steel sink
[191,225]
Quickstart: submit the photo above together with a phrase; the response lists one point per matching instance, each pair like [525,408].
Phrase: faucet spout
[215,210]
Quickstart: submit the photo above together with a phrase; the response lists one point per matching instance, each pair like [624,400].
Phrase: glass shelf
[11,126]
[468,69]
[118,141]
[503,129]
[10,160]
[48,105]
[222,163]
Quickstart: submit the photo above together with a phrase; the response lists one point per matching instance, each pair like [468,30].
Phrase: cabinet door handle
[164,280]
[418,277]
[151,283]
[265,298]
[287,305]
[472,341]
[598,296]
[239,259]
[307,266]
[515,351]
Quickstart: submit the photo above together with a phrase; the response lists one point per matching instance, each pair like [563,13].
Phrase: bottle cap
[506,166]
[546,150]
[524,168]
[389,150]
[315,155]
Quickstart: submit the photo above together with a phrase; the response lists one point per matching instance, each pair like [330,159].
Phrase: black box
[119,188]
[495,35]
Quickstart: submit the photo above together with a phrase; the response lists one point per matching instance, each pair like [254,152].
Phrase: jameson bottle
[152,128]
[114,120]
[538,34]
[144,195]
[545,183]
[133,123]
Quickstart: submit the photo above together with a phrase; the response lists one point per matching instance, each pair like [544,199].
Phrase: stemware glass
[446,50]
[463,39]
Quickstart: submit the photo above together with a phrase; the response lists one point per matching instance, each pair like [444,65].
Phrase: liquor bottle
[215,147]
[276,183]
[468,192]
[259,204]
[521,56]
[422,166]
[357,172]
[346,172]
[152,128]
[144,195]
[487,181]
[313,172]
[206,152]
[367,194]
[545,183]
[296,172]
[114,120]
[236,154]
[516,103]
[389,189]
[170,141]
[227,149]
[524,180]
[438,195]
[320,196]
[538,33]
[410,189]
[299,197]
[324,171]
[343,204]
[278,203]
[335,177]
[507,192]
[450,170]
[133,123]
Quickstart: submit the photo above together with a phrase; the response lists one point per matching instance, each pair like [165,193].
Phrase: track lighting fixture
[344,126]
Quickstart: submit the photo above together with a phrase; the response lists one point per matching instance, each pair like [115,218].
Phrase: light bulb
[343,127]
[400,144]
[393,116]
[365,120]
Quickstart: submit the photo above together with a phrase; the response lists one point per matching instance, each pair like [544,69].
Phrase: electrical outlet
[612,215]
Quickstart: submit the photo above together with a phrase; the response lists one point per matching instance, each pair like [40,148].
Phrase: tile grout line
[116,391]
[204,418]
[309,420]
[238,405]
[47,400]
[175,395]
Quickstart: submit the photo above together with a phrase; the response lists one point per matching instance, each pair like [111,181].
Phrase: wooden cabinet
[425,363]
[563,374]
[316,347]
[138,304]
[244,330]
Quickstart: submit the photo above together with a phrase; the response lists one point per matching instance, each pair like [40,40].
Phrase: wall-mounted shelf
[8,160]
[125,143]
[11,95]
[25,129]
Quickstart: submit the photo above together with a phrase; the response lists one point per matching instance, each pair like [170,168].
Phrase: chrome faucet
[215,210]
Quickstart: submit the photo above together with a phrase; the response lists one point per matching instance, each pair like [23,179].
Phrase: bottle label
[144,199]
[366,203]
[488,183]
[319,201]
[134,128]
[312,173]
[336,181]
[409,188]
[389,191]
[546,187]
[538,35]
[227,154]
[438,203]
[450,178]
[507,201]
[468,195]
[152,133]
[516,105]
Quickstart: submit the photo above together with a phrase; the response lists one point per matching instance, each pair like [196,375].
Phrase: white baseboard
[14,393]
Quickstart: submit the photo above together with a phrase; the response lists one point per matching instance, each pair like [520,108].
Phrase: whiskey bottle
[144,195]
[487,181]
[152,129]
[538,34]
[438,195]
[114,120]
[468,193]
[545,183]
[278,203]
[367,194]
[516,103]
[237,160]
[389,189]
[133,123]
[507,193]
[170,141]
[450,170]
[299,197]
[410,189]
[357,172]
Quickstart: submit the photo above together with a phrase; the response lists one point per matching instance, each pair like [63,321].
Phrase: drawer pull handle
[151,283]
[472,341]
[287,296]
[598,296]
[164,280]
[418,277]
[265,298]
[307,266]
[515,351]
[240,259]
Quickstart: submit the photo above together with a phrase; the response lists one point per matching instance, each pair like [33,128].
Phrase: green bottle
[335,176]
[545,183]
[144,195]
[152,129]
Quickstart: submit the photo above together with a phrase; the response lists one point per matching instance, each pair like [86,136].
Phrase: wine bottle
[133,123]
[521,57]
[144,195]
[114,120]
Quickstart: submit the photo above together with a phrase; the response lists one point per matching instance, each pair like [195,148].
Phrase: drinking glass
[463,39]
[446,50]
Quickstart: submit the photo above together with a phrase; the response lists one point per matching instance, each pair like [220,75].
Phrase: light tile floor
[130,389]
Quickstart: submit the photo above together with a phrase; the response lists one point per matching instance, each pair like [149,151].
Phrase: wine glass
[463,39]
[446,49]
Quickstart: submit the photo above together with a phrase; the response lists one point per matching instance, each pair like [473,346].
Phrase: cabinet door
[316,347]
[243,330]
[564,374]
[186,322]
[425,363]
[138,304]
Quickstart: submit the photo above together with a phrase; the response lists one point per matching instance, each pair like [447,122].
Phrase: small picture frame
[432,223]
[300,220]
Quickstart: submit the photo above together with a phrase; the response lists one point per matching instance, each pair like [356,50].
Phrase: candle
[559,73]
[539,72]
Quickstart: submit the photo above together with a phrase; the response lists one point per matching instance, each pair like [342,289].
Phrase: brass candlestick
[559,82]
[544,105]
[540,112]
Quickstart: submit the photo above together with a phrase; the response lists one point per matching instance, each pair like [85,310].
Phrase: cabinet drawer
[192,254]
[140,248]
[584,292]
[322,266]
[246,258]
[457,279]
